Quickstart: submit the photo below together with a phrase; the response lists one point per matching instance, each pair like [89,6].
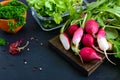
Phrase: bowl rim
[48,18]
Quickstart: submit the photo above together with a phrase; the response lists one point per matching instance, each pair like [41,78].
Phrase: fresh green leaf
[111,33]
[100,21]
[57,18]
[2,42]
[118,2]
[48,5]
[117,47]
[115,11]
[96,4]
[55,8]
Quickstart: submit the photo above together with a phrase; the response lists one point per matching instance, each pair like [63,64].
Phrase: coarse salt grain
[41,43]
[28,49]
[31,38]
[25,62]
[40,69]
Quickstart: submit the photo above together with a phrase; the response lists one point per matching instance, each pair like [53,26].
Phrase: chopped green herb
[2,42]
[13,10]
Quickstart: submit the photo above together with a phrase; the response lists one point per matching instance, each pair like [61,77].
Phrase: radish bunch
[83,41]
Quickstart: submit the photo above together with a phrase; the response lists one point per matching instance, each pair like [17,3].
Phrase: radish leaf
[111,33]
[117,47]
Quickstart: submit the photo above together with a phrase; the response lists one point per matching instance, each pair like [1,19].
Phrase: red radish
[102,42]
[88,41]
[72,28]
[64,38]
[91,27]
[77,36]
[88,54]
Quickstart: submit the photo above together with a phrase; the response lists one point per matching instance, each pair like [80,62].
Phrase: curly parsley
[13,10]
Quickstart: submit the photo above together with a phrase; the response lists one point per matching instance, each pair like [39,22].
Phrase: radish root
[21,48]
[108,58]
[98,50]
[81,59]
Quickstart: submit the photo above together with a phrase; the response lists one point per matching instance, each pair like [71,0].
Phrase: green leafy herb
[54,8]
[13,10]
[2,42]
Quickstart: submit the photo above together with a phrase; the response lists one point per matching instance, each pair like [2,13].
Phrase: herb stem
[112,27]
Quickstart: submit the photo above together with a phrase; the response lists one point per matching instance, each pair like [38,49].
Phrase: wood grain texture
[86,68]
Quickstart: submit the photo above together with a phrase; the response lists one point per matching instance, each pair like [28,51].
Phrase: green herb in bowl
[12,15]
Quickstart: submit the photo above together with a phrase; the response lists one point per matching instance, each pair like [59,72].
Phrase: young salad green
[54,8]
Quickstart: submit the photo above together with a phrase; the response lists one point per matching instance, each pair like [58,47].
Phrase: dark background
[25,66]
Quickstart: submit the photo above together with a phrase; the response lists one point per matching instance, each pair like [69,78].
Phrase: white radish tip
[65,41]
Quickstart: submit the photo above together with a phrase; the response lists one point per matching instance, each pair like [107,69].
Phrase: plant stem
[83,23]
[112,27]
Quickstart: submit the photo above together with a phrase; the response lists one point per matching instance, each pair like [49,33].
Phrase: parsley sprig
[13,10]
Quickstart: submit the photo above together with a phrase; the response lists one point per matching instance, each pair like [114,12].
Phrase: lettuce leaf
[54,8]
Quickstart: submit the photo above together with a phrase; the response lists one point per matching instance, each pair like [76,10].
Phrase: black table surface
[41,62]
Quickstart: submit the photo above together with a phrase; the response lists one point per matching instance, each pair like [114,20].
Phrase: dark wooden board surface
[86,68]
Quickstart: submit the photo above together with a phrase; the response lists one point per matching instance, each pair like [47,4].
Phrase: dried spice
[40,69]
[35,68]
[14,48]
[25,61]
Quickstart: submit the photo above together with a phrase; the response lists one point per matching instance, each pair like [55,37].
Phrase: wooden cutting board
[86,68]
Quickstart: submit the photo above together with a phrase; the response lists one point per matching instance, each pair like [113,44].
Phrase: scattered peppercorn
[31,38]
[35,68]
[40,69]
[28,49]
